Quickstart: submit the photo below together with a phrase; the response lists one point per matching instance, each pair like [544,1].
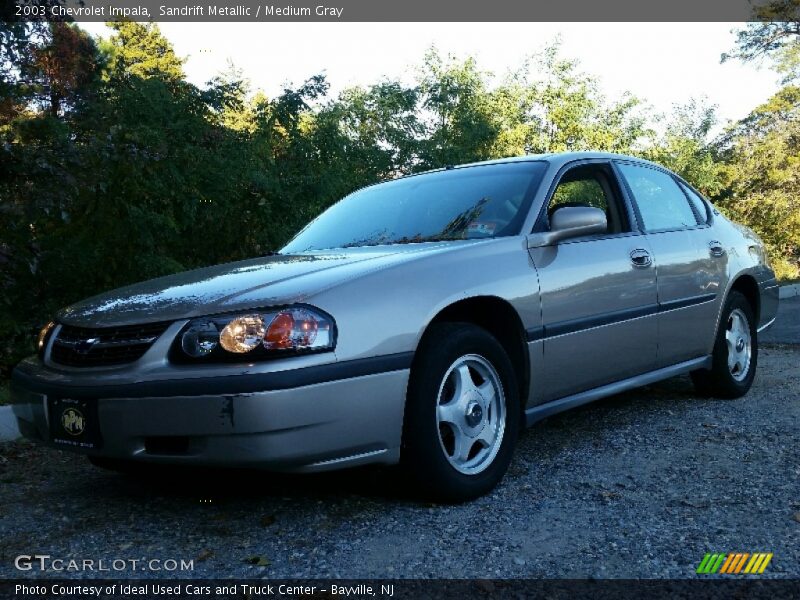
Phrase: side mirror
[570,222]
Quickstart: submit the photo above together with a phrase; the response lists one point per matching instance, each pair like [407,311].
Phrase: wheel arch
[499,318]
[716,379]
[747,285]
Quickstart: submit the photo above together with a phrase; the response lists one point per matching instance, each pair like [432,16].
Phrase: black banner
[406,11]
[458,589]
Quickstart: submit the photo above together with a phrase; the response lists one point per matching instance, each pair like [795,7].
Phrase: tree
[773,34]
[228,95]
[686,147]
[46,73]
[140,50]
[43,65]
[14,41]
[383,123]
[60,67]
[762,177]
[564,110]
[548,105]
[762,152]
[456,109]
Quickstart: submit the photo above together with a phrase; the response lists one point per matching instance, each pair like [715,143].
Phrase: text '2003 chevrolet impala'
[421,321]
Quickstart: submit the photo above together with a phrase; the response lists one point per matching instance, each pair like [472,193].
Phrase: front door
[598,293]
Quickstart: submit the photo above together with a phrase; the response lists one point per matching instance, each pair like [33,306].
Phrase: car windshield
[455,204]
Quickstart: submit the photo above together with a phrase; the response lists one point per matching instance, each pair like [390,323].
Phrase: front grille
[94,347]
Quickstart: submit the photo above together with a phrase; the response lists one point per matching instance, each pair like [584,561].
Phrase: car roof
[559,158]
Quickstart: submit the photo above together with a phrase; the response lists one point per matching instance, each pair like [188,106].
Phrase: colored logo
[72,421]
[734,563]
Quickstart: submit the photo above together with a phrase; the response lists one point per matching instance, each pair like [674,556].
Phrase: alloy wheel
[471,414]
[740,345]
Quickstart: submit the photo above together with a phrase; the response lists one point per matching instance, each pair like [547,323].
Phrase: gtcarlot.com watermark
[45,562]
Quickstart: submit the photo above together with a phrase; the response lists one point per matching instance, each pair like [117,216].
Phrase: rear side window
[661,202]
[697,202]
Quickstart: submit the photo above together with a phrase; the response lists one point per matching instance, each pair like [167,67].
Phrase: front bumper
[323,425]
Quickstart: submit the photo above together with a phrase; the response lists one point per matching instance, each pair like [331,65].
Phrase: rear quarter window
[697,202]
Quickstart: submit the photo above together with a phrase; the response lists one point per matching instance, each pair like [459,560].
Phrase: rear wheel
[735,355]
[462,413]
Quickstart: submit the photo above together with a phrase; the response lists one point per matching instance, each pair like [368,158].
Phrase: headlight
[43,337]
[200,339]
[243,334]
[295,329]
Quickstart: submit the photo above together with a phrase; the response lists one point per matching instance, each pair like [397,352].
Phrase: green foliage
[686,147]
[459,123]
[761,161]
[143,174]
[762,172]
[44,66]
[15,39]
[546,106]
[139,50]
[383,122]
[566,112]
[773,34]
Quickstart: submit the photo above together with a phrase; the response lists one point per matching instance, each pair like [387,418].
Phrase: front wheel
[462,413]
[735,353]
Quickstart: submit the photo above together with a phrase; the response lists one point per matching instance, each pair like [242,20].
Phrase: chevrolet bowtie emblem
[84,346]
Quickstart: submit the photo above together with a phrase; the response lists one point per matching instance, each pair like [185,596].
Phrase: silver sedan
[421,321]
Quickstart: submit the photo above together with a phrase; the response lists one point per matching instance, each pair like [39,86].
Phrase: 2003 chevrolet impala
[420,321]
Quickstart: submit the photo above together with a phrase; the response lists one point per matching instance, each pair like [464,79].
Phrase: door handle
[641,258]
[715,248]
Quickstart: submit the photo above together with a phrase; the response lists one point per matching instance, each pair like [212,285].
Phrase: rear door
[598,292]
[689,264]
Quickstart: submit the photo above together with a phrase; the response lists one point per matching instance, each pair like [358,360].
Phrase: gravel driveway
[639,485]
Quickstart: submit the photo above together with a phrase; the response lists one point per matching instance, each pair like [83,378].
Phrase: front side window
[454,204]
[590,186]
[662,204]
[585,191]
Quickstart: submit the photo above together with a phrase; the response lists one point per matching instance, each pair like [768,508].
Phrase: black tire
[423,455]
[719,380]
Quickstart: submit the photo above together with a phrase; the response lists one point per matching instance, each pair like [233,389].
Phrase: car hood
[243,285]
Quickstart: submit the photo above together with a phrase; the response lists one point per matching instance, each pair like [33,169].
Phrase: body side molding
[537,413]
[617,316]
